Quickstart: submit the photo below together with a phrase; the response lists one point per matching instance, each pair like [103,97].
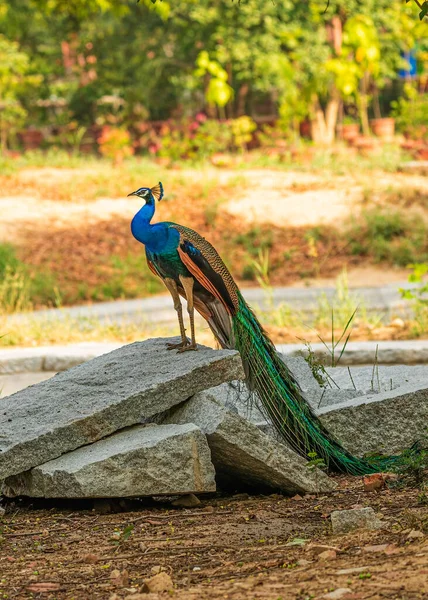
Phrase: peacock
[191,268]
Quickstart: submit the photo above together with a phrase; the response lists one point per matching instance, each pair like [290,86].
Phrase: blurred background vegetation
[225,102]
[189,79]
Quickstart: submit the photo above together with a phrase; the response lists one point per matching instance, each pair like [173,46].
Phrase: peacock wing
[152,265]
[206,266]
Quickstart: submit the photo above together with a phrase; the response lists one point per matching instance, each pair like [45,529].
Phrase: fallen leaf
[373,483]
[91,559]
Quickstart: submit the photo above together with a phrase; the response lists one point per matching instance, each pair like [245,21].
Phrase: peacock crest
[157,191]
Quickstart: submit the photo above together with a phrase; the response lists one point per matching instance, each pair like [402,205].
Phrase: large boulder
[242,454]
[387,422]
[103,395]
[144,460]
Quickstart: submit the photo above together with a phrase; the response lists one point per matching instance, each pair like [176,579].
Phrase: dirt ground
[232,546]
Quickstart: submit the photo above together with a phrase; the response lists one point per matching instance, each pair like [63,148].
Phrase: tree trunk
[323,125]
[362,104]
[242,97]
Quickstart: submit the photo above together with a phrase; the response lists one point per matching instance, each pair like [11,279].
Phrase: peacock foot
[180,345]
[188,347]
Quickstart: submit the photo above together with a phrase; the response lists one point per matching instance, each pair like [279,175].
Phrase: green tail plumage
[281,398]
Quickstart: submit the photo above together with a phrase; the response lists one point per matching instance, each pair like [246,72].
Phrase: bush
[411,114]
[389,236]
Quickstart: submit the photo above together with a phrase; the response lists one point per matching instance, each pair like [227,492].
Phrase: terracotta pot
[31,138]
[422,153]
[383,128]
[366,145]
[305,129]
[349,131]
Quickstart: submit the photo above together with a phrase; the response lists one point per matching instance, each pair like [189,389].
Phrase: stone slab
[143,460]
[101,396]
[386,422]
[241,452]
[343,521]
[381,378]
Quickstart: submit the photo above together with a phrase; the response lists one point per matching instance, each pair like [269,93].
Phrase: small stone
[398,323]
[337,594]
[352,570]
[157,569]
[327,555]
[391,549]
[302,562]
[319,548]
[2,511]
[415,535]
[374,549]
[161,582]
[120,577]
[187,501]
[373,483]
[297,497]
[209,509]
[343,521]
[91,559]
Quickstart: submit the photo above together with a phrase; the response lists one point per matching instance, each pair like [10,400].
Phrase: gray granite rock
[386,422]
[343,521]
[242,453]
[103,395]
[144,460]
[381,378]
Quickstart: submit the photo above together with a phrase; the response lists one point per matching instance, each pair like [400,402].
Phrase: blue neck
[155,237]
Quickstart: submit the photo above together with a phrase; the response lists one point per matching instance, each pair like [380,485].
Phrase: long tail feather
[281,398]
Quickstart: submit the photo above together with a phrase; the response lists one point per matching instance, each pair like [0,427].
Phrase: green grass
[20,287]
[388,235]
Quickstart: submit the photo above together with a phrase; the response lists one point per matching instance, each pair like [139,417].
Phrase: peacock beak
[133,194]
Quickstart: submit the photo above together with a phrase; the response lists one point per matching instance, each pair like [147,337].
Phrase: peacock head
[149,194]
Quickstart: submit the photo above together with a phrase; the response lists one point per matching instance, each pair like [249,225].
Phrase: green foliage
[255,240]
[226,58]
[315,462]
[418,295]
[21,288]
[387,235]
[410,112]
[218,91]
[412,464]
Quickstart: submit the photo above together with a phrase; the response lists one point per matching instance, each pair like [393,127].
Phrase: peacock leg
[172,288]
[187,283]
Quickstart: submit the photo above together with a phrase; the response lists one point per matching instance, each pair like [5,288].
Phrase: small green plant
[316,366]
[334,350]
[412,464]
[418,295]
[120,537]
[315,464]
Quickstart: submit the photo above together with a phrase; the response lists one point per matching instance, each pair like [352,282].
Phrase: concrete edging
[60,358]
